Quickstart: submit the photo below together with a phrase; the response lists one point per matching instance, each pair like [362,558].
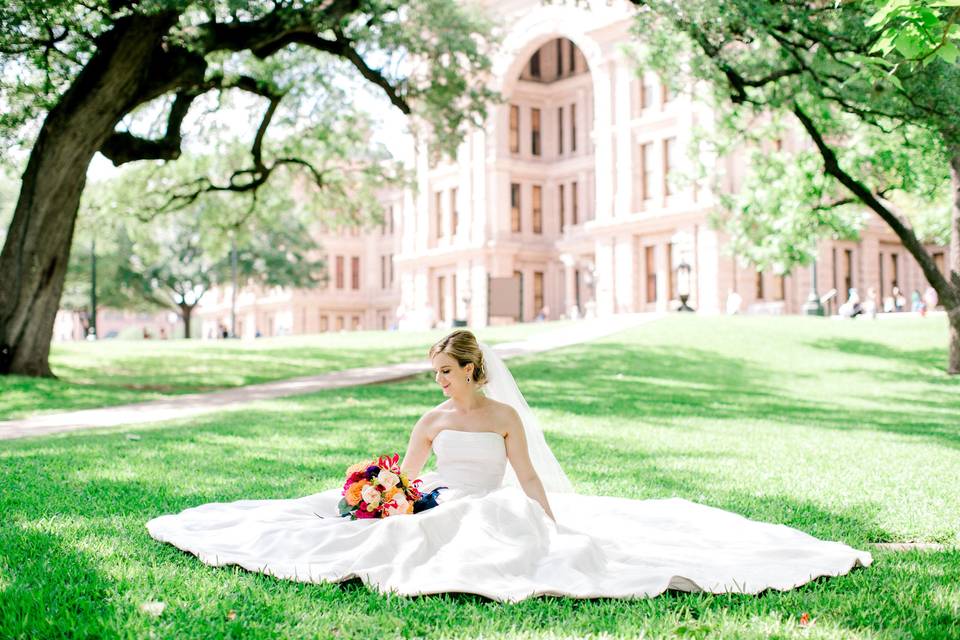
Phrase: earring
[468,378]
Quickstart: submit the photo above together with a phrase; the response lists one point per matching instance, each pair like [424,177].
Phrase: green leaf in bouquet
[344,508]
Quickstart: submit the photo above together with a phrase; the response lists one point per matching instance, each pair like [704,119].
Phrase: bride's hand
[516,443]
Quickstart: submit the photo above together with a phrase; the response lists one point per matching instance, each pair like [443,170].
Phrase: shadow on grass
[903,364]
[652,384]
[48,588]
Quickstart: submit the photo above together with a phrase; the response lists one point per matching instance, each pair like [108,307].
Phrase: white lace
[503,388]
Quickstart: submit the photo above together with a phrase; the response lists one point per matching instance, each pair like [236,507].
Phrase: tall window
[572,58]
[576,288]
[454,214]
[390,219]
[560,131]
[339,323]
[574,203]
[883,284]
[563,213]
[895,270]
[848,276]
[519,276]
[324,323]
[559,57]
[646,170]
[537,291]
[535,64]
[535,131]
[646,93]
[537,209]
[355,272]
[671,274]
[669,163]
[453,292]
[938,261]
[573,127]
[339,272]
[390,265]
[781,292]
[760,293]
[650,260]
[383,272]
[514,129]
[442,298]
[664,93]
[438,212]
[515,207]
[355,323]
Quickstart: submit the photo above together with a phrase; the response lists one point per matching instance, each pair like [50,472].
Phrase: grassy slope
[848,431]
[113,372]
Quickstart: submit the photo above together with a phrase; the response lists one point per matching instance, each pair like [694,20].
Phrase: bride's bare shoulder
[502,409]
[433,414]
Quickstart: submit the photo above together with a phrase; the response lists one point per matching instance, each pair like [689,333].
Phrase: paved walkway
[187,406]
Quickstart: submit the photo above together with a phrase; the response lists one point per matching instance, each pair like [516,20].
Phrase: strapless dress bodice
[469,461]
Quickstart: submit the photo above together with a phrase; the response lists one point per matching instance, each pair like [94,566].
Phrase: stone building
[569,191]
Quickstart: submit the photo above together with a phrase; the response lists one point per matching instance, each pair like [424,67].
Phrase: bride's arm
[418,449]
[519,458]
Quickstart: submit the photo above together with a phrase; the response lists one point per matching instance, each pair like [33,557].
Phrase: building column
[604,276]
[603,139]
[623,196]
[625,268]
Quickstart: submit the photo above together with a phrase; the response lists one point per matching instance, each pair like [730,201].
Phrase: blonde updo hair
[462,346]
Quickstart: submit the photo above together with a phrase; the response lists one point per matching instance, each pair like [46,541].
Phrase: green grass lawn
[111,372]
[846,430]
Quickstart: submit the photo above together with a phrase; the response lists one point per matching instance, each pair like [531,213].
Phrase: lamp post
[233,281]
[92,330]
[683,285]
[812,306]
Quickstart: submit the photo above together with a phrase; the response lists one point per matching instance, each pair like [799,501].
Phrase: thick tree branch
[948,295]
[123,146]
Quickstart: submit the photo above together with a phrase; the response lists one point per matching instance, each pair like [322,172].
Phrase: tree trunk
[953,266]
[33,263]
[186,313]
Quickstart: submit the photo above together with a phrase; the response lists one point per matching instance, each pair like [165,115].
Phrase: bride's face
[451,377]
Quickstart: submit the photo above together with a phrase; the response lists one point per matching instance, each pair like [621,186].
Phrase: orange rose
[353,493]
[389,493]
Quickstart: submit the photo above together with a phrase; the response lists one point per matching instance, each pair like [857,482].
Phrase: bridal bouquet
[377,489]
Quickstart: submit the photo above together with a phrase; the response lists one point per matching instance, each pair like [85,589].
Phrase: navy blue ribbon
[427,500]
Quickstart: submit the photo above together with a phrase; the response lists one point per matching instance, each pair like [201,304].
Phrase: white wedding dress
[492,540]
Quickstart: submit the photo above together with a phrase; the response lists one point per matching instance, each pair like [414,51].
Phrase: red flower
[362,513]
[390,463]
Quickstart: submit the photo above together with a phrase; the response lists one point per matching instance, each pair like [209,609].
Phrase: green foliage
[774,220]
[433,53]
[917,31]
[758,64]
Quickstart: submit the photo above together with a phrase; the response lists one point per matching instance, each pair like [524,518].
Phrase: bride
[506,533]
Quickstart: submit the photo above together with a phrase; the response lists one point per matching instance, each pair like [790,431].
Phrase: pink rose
[371,496]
